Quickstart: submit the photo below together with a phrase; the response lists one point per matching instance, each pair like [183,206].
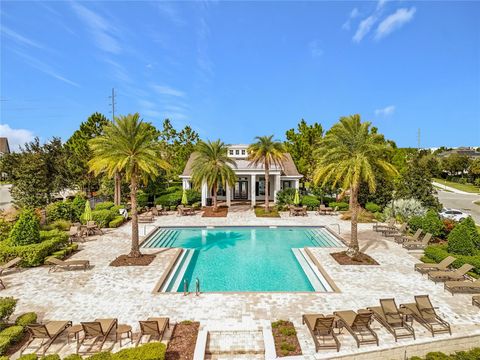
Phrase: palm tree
[213,166]
[350,153]
[128,146]
[266,152]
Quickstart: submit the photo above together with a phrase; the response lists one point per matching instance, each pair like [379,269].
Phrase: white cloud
[386,111]
[16,137]
[315,49]
[19,38]
[353,14]
[167,90]
[394,21]
[366,24]
[102,31]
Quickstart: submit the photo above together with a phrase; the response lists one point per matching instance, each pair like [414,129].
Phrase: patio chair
[180,210]
[458,274]
[392,319]
[322,330]
[10,264]
[393,232]
[154,211]
[291,210]
[378,227]
[441,266]
[145,218]
[476,300]
[153,327]
[98,330]
[322,210]
[48,333]
[66,264]
[161,210]
[424,313]
[465,287]
[415,245]
[399,239]
[93,228]
[358,325]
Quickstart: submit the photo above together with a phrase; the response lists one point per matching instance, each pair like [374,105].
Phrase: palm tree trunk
[135,251]
[267,186]
[353,248]
[118,188]
[214,196]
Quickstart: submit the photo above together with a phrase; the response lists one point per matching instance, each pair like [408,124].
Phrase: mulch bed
[182,344]
[221,212]
[285,337]
[125,260]
[12,349]
[361,259]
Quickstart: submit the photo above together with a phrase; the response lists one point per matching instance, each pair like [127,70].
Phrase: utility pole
[117,196]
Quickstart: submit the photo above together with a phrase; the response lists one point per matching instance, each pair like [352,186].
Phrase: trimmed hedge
[28,357]
[10,336]
[34,255]
[26,319]
[26,230]
[60,254]
[342,206]
[473,354]
[150,351]
[60,210]
[103,217]
[430,223]
[311,202]
[372,207]
[116,222]
[440,252]
[7,307]
[175,198]
[107,205]
[73,357]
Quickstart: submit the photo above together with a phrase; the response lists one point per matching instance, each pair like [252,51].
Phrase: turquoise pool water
[242,259]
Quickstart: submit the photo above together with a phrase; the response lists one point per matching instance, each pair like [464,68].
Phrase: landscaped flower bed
[285,337]
[183,341]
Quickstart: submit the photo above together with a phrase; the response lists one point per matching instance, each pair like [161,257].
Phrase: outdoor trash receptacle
[209,201]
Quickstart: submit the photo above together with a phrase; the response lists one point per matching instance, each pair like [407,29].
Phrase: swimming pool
[244,258]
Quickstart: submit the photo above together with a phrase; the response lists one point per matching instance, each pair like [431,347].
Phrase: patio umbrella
[296,199]
[87,213]
[184,198]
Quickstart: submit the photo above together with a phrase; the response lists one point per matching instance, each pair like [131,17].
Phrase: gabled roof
[4,147]
[288,166]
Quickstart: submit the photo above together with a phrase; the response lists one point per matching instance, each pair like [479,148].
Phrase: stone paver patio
[126,292]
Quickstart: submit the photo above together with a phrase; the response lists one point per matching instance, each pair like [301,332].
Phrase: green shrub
[150,351]
[62,225]
[342,206]
[404,209]
[59,210]
[7,307]
[286,196]
[459,241]
[103,217]
[4,358]
[117,208]
[34,255]
[51,357]
[107,205]
[26,319]
[78,207]
[175,198]
[142,199]
[14,333]
[311,202]
[61,254]
[372,207]
[4,344]
[437,356]
[430,223]
[116,222]
[28,357]
[73,357]
[472,230]
[101,356]
[26,230]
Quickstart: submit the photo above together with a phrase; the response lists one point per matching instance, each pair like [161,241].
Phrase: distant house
[250,184]
[4,147]
[471,152]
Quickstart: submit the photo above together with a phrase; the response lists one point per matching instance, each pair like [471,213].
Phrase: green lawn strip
[463,187]
[260,212]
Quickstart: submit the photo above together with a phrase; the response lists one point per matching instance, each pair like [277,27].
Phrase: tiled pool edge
[327,277]
[168,270]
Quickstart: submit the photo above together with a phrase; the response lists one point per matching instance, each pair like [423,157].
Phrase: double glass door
[241,189]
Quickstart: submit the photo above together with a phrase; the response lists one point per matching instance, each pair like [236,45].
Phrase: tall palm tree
[128,146]
[267,152]
[213,166]
[350,153]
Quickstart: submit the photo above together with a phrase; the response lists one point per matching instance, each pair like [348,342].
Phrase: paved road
[5,198]
[462,202]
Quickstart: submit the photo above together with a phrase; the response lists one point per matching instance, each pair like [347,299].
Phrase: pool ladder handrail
[337,225]
[185,287]
[197,287]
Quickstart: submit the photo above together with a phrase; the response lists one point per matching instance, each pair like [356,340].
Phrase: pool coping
[168,270]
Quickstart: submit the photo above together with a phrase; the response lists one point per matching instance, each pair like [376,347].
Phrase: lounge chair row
[399,234]
[98,330]
[325,328]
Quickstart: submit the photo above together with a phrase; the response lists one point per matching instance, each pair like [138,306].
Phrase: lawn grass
[260,212]
[462,187]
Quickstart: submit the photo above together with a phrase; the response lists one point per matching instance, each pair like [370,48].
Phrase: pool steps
[173,281]
[309,270]
[322,239]
[162,239]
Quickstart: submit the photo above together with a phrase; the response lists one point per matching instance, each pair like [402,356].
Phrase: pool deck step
[309,269]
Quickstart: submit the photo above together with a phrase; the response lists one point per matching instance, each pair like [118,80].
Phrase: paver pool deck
[126,292]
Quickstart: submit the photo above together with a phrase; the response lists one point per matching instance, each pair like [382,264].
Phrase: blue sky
[234,70]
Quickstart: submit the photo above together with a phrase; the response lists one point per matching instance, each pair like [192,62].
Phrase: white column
[276,188]
[252,189]
[297,183]
[228,192]
[204,193]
